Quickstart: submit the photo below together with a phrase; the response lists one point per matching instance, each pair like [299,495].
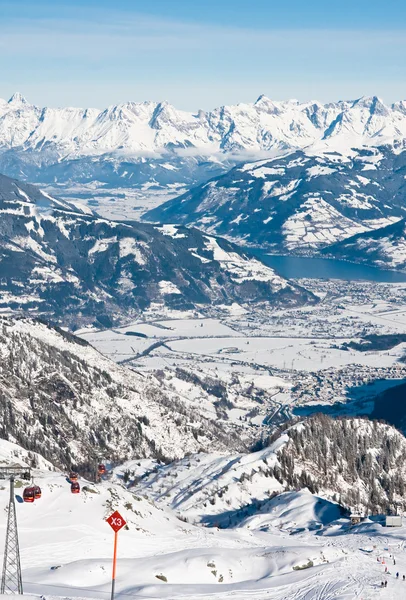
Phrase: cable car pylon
[11,581]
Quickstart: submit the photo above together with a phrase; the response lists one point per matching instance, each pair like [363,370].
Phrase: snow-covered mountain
[357,463]
[138,142]
[301,201]
[63,261]
[384,248]
[61,398]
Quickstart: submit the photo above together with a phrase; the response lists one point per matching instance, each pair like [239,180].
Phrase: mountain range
[62,261]
[302,201]
[139,143]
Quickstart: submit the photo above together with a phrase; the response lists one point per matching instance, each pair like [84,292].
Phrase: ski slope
[297,547]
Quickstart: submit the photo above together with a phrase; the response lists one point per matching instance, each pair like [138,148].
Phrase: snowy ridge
[152,126]
[300,202]
[134,142]
[73,266]
[384,248]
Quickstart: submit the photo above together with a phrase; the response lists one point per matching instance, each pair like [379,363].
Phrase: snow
[258,558]
[102,245]
[263,172]
[132,247]
[167,287]
[318,222]
[171,231]
[320,170]
[135,130]
[290,547]
[72,554]
[28,243]
[294,511]
[243,269]
[284,352]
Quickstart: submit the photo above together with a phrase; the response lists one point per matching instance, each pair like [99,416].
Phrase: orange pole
[113,579]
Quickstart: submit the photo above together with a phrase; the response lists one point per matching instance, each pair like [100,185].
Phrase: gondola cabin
[101,469]
[29,494]
[37,492]
[75,488]
[73,476]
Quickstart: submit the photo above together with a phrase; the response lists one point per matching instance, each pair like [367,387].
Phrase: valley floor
[301,546]
[299,357]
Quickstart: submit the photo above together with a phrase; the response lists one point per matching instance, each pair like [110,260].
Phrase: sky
[201,54]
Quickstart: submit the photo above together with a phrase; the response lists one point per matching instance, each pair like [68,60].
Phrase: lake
[297,267]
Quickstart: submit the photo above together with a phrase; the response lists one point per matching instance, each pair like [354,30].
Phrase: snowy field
[290,345]
[348,310]
[118,204]
[298,547]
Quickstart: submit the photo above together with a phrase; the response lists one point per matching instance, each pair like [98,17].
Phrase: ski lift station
[393,521]
[356,518]
[14,470]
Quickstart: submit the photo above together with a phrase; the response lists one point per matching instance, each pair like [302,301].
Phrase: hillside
[68,264]
[159,556]
[296,545]
[137,143]
[391,406]
[357,463]
[384,248]
[300,202]
[63,399]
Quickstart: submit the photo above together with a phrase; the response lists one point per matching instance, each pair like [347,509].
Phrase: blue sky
[201,54]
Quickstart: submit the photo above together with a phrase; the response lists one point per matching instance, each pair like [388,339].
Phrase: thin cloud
[101,58]
[98,38]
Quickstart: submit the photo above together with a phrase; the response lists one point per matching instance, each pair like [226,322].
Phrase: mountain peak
[261,98]
[266,104]
[370,102]
[17,98]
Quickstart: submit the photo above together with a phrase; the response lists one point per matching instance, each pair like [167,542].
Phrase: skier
[386,583]
[397,575]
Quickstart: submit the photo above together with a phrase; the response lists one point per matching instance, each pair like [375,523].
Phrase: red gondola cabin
[37,492]
[101,469]
[75,488]
[29,494]
[73,476]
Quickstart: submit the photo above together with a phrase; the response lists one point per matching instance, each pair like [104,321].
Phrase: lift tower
[11,582]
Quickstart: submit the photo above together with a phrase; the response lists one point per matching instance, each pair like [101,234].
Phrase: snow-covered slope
[293,546]
[65,262]
[385,247]
[298,202]
[134,142]
[66,549]
[62,398]
[358,463]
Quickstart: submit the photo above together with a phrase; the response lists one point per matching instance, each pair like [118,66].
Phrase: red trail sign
[116,522]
